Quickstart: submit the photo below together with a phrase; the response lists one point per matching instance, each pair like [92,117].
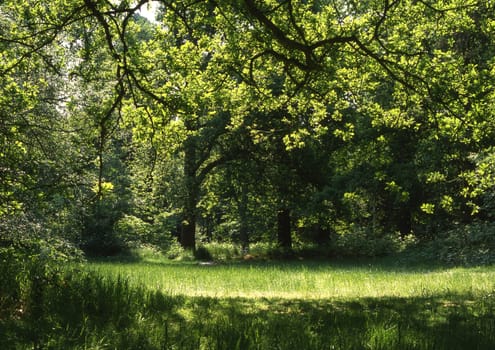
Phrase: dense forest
[355,127]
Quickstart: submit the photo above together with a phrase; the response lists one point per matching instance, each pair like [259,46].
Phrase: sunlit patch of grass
[301,280]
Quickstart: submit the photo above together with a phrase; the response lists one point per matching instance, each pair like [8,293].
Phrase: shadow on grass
[391,323]
[85,311]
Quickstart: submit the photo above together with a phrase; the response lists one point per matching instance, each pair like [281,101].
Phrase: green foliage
[98,238]
[31,261]
[468,244]
[178,253]
[134,232]
[202,253]
[369,125]
[358,241]
[355,120]
[223,251]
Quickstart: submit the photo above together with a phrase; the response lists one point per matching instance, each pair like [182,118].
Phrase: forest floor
[155,303]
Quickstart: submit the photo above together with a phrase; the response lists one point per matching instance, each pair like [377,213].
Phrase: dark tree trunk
[243,218]
[283,228]
[188,232]
[244,236]
[322,236]
[405,222]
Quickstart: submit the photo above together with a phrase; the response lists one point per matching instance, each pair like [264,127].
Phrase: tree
[356,77]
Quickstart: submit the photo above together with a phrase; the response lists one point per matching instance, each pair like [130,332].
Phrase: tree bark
[322,236]
[284,229]
[243,221]
[188,231]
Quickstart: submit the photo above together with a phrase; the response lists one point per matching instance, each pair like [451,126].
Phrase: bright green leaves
[401,194]
[428,208]
[346,133]
[374,105]
[447,203]
[12,178]
[295,140]
[103,189]
[18,100]
[480,182]
[36,29]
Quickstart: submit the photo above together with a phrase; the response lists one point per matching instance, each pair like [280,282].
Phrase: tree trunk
[188,232]
[243,221]
[405,221]
[322,236]
[283,228]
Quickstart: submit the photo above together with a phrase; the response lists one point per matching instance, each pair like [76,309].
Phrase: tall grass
[298,305]
[302,280]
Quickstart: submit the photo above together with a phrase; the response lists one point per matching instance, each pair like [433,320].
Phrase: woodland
[359,126]
[277,129]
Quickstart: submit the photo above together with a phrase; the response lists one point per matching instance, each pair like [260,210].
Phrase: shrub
[222,251]
[134,232]
[471,244]
[31,258]
[357,241]
[97,236]
[202,253]
[176,252]
[262,249]
[103,244]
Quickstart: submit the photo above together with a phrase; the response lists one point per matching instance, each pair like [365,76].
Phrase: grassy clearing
[302,280]
[156,304]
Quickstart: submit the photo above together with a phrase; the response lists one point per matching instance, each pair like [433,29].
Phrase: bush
[30,259]
[262,249]
[176,252]
[359,242]
[222,251]
[11,266]
[97,236]
[471,244]
[202,253]
[134,232]
[103,244]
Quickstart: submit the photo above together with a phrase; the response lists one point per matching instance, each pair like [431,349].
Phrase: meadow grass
[302,280]
[158,304]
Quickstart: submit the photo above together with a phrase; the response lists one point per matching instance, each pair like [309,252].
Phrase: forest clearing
[155,303]
[301,279]
[247,174]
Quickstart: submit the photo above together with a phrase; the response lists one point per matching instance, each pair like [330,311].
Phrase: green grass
[302,280]
[158,304]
